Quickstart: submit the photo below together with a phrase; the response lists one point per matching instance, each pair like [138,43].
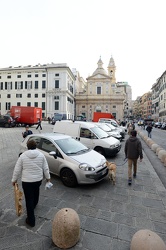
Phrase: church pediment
[98,76]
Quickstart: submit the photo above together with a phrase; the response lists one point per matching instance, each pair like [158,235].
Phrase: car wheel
[68,177]
[100,150]
[7,125]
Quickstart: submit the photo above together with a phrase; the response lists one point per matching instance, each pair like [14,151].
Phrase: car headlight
[86,167]
[113,146]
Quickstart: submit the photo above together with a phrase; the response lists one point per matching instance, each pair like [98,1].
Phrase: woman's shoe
[29,224]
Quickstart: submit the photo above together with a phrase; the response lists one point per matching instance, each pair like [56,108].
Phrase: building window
[56,105]
[29,85]
[56,97]
[114,114]
[69,99]
[36,95]
[36,75]
[9,76]
[56,74]
[43,84]
[28,104]
[43,106]
[43,95]
[36,104]
[1,85]
[18,85]
[43,75]
[56,84]
[98,90]
[18,95]
[18,76]
[83,107]
[8,85]
[8,105]
[29,76]
[36,84]
[18,103]
[28,95]
[114,106]
[71,89]
[0,77]
[8,95]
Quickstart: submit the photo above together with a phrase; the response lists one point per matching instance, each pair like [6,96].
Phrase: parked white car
[110,130]
[69,158]
[115,124]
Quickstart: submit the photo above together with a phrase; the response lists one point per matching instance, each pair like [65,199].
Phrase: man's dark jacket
[133,148]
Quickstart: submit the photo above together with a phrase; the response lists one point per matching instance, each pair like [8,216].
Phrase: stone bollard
[147,240]
[162,155]
[145,138]
[150,142]
[158,149]
[66,228]
[154,147]
[165,162]
[163,158]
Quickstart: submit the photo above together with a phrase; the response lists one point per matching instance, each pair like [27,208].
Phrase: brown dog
[111,171]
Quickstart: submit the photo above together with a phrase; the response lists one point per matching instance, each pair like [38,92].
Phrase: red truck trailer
[98,115]
[26,115]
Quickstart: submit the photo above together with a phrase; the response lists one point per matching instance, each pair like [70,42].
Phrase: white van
[90,135]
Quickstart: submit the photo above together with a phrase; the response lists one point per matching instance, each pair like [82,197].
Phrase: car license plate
[104,171]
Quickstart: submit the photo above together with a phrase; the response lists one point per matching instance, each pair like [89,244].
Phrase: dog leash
[125,160]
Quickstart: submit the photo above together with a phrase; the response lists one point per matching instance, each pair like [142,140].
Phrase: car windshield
[99,132]
[104,127]
[114,124]
[112,128]
[71,146]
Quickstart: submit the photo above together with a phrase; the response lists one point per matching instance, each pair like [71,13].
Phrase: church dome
[100,69]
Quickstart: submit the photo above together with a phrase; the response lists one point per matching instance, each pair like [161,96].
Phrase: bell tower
[111,69]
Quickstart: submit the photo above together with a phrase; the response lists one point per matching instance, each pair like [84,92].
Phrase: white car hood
[93,158]
[111,140]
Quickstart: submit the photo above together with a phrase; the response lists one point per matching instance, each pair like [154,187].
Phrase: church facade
[102,93]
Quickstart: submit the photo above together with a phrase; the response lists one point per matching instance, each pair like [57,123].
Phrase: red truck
[26,115]
[98,115]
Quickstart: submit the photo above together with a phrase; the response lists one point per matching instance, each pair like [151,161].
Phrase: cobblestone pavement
[109,215]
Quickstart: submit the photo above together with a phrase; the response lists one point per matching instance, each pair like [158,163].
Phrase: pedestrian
[27,131]
[133,150]
[130,128]
[31,165]
[39,124]
[149,130]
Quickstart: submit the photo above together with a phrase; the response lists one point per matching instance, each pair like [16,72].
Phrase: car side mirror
[53,153]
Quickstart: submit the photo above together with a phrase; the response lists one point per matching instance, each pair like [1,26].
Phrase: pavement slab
[109,214]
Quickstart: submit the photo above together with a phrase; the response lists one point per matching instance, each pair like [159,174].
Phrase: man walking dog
[133,150]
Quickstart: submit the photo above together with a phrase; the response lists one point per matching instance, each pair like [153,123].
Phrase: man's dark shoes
[29,224]
[129,182]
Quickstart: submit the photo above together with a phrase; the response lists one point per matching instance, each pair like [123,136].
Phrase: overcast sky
[78,32]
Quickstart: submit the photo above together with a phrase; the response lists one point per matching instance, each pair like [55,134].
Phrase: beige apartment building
[101,93]
[142,107]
